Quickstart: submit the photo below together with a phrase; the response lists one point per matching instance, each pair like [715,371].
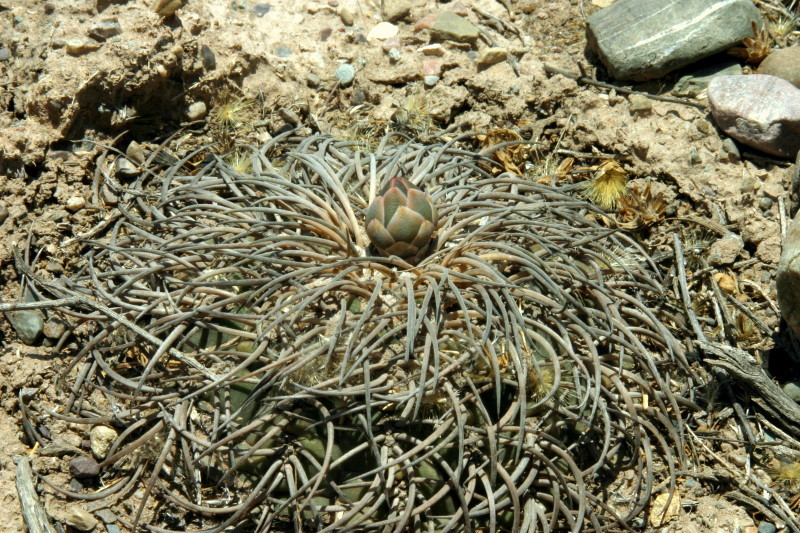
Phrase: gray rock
[312,80]
[792,390]
[430,81]
[694,157]
[208,57]
[106,516]
[83,467]
[449,26]
[731,150]
[726,250]
[787,277]
[767,527]
[5,54]
[283,51]
[196,110]
[261,9]
[696,82]
[28,324]
[784,63]
[58,449]
[645,39]
[761,111]
[345,74]
[105,29]
[54,328]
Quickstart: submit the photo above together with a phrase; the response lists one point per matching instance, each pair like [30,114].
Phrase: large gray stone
[759,110]
[645,39]
[787,278]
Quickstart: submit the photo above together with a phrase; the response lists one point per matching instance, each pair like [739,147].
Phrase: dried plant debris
[755,49]
[267,371]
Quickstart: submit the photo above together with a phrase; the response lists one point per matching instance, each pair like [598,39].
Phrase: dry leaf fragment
[660,513]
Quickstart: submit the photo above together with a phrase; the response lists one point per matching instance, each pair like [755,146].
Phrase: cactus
[278,376]
[401,221]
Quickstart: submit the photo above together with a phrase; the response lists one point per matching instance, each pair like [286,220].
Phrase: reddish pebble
[426,22]
[392,42]
[432,67]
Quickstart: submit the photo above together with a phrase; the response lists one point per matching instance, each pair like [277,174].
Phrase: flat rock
[491,56]
[449,26]
[783,63]
[645,39]
[760,111]
[382,31]
[105,29]
[83,467]
[28,324]
[697,81]
[394,10]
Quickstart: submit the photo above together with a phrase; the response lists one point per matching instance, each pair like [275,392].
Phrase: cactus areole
[401,221]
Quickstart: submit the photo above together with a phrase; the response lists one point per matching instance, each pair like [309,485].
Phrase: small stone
[759,110]
[726,250]
[49,8]
[391,42]
[283,52]
[431,67]
[345,74]
[167,8]
[347,16]
[394,54]
[767,527]
[491,56]
[106,516]
[425,22]
[694,156]
[5,54]
[76,203]
[783,63]
[430,81]
[382,31]
[697,81]
[449,26]
[792,390]
[640,104]
[54,328]
[394,10]
[261,9]
[312,80]
[3,213]
[102,438]
[731,150]
[83,467]
[28,324]
[126,169]
[134,152]
[105,29]
[77,47]
[432,50]
[80,518]
[208,57]
[645,39]
[58,449]
[196,110]
[109,196]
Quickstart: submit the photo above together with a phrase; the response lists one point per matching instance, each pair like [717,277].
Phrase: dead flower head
[608,186]
[641,208]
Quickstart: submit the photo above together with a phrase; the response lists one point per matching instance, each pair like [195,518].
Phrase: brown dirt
[55,108]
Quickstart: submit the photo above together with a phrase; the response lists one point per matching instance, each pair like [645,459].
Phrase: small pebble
[394,10]
[109,196]
[312,80]
[196,110]
[345,74]
[77,47]
[359,96]
[101,439]
[391,42]
[283,51]
[765,204]
[347,16]
[167,8]
[432,50]
[83,467]
[5,54]
[49,8]
[76,203]
[28,325]
[261,9]
[3,213]
[382,31]
[105,29]
[432,67]
[767,527]
[208,57]
[394,54]
[81,519]
[125,168]
[640,104]
[731,150]
[54,328]
[430,81]
[106,516]
[792,390]
[491,56]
